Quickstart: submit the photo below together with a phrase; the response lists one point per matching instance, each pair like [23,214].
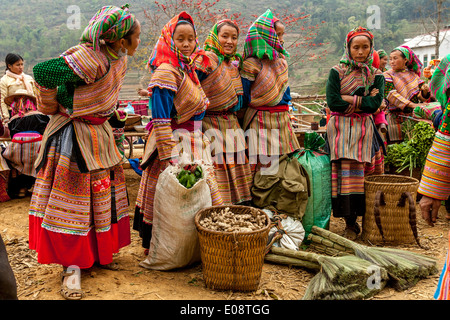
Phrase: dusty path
[41,282]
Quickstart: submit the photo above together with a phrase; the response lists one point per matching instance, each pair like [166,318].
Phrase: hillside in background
[38,29]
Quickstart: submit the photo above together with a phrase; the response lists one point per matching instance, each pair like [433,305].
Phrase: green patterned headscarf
[382,53]
[262,39]
[440,81]
[212,43]
[413,62]
[110,24]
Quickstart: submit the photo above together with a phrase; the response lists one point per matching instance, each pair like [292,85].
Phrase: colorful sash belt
[87,119]
[279,108]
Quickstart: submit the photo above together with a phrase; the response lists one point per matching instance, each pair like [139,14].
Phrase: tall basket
[390,216]
[232,260]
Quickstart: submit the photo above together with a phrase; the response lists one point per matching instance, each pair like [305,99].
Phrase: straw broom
[405,268]
[320,288]
[340,270]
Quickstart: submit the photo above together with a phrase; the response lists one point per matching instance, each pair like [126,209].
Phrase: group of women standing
[79,207]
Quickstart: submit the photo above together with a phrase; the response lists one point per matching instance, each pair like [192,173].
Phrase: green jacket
[285,192]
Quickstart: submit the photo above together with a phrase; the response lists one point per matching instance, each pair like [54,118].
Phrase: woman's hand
[374,92]
[347,98]
[168,162]
[383,106]
[425,89]
[430,209]
[424,93]
[142,92]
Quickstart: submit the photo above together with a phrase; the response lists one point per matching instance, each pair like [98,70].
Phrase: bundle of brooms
[405,268]
[345,271]
[339,277]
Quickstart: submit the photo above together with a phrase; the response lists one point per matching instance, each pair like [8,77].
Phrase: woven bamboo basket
[132,120]
[390,216]
[232,260]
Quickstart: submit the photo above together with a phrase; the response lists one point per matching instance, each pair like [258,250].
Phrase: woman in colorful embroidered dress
[79,208]
[435,181]
[264,76]
[354,91]
[26,127]
[406,94]
[222,85]
[178,102]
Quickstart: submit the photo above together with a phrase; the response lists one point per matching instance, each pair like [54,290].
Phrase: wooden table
[129,137]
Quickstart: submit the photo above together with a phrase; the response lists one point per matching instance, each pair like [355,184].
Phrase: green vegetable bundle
[189,175]
[412,152]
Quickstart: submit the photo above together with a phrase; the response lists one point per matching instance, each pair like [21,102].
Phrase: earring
[122,52]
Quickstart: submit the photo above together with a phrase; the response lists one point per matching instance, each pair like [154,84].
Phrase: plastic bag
[317,165]
[129,108]
[293,235]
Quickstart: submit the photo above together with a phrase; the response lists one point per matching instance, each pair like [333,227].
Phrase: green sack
[317,165]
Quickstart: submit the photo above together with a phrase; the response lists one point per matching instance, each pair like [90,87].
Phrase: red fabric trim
[87,119]
[82,251]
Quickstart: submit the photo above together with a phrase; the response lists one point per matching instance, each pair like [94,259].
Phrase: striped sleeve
[250,69]
[435,181]
[393,98]
[164,77]
[371,104]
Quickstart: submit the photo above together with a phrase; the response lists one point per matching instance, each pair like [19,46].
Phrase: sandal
[22,193]
[70,293]
[110,266]
[351,232]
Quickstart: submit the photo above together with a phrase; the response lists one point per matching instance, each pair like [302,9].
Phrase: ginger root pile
[227,221]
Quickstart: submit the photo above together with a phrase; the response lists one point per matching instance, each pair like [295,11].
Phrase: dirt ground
[132,282]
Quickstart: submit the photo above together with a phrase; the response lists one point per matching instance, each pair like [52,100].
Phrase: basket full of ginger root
[232,246]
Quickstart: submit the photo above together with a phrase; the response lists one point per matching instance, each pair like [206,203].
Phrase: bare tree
[433,24]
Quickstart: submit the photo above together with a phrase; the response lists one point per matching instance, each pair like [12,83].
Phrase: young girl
[379,117]
[223,87]
[354,143]
[79,208]
[178,102]
[264,75]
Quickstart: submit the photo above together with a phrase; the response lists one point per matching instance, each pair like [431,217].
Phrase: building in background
[424,45]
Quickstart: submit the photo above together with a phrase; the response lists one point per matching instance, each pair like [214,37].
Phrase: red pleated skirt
[82,251]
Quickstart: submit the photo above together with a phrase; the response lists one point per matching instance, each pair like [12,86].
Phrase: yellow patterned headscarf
[212,43]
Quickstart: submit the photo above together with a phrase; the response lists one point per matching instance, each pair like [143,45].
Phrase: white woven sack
[174,243]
